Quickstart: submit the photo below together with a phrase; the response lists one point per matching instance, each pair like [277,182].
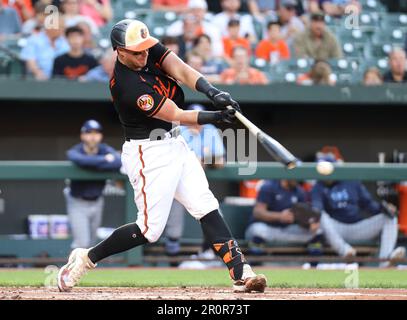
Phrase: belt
[173,133]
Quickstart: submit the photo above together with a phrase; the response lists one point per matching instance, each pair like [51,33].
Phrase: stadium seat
[294,65]
[354,41]
[345,70]
[382,64]
[394,21]
[372,6]
[159,20]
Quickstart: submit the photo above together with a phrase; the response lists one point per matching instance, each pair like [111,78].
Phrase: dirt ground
[99,293]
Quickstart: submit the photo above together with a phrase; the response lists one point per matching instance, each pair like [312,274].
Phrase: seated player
[342,204]
[273,219]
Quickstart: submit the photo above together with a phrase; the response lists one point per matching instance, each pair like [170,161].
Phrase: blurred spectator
[241,72]
[84,199]
[320,74]
[170,5]
[100,11]
[397,62]
[36,23]
[273,220]
[230,11]
[273,49]
[10,23]
[71,13]
[196,61]
[233,39]
[372,77]
[171,43]
[76,62]
[206,142]
[198,9]
[104,71]
[190,33]
[24,8]
[42,48]
[336,8]
[342,204]
[291,24]
[317,42]
[89,42]
[212,65]
[262,8]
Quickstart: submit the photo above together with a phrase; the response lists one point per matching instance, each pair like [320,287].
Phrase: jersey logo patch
[145,102]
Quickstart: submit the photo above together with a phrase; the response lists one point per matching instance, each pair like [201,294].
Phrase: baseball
[325,168]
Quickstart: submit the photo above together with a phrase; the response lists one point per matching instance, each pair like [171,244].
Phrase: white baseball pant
[160,171]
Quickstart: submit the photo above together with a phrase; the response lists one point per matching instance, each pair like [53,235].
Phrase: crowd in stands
[229,41]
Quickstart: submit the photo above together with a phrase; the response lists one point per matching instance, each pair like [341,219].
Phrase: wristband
[203,85]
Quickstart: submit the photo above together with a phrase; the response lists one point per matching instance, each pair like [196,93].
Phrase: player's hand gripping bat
[272,146]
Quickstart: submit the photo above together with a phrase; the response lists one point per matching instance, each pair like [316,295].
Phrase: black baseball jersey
[139,95]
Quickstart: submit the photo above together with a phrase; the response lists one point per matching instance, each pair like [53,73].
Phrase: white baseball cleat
[71,273]
[397,254]
[250,281]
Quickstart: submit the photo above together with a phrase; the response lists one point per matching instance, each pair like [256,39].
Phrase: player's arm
[179,70]
[171,113]
[261,213]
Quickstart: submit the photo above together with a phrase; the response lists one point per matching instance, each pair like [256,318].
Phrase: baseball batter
[157,160]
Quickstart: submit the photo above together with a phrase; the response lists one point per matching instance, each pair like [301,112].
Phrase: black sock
[122,239]
[217,233]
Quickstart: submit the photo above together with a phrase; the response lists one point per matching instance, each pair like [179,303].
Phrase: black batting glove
[214,117]
[228,115]
[223,99]
[220,99]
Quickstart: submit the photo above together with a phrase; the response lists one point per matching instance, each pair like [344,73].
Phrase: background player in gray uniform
[343,222]
[84,199]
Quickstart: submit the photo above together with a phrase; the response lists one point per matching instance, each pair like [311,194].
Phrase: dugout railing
[61,170]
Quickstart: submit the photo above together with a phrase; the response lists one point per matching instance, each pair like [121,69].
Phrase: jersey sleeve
[158,53]
[145,99]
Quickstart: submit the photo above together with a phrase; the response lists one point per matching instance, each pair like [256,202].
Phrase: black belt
[173,133]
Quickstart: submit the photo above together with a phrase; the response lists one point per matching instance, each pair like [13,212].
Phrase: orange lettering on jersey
[164,90]
[74,72]
[112,82]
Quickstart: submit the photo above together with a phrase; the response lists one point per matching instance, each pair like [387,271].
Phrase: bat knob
[293,164]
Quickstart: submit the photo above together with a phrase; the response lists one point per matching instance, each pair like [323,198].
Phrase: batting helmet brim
[146,44]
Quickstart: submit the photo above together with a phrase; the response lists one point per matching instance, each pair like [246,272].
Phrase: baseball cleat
[71,273]
[397,254]
[250,281]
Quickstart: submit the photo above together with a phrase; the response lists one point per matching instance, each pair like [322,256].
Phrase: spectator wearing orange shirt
[234,39]
[24,8]
[173,5]
[241,72]
[274,48]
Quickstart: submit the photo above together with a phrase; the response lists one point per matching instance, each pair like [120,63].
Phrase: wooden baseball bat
[272,146]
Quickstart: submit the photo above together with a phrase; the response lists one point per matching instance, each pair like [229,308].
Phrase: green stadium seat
[159,20]
[381,63]
[394,21]
[354,42]
[372,6]
[294,65]
[344,70]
